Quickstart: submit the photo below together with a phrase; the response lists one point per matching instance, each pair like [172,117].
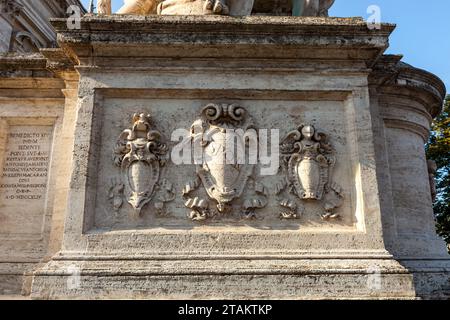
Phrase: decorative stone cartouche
[309,161]
[140,154]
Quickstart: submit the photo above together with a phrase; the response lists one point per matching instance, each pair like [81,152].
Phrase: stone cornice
[59,63]
[222,36]
[393,77]
[21,62]
[421,79]
[57,60]
[316,25]
[49,63]
[26,75]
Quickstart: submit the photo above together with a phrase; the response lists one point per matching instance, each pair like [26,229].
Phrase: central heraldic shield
[223,181]
[223,171]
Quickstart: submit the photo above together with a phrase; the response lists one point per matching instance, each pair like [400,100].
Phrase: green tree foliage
[438,149]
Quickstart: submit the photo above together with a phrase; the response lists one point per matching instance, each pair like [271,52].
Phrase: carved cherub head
[141,122]
[308,132]
[305,135]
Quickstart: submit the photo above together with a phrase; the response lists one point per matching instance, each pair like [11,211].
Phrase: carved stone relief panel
[223,180]
[140,153]
[146,188]
[308,167]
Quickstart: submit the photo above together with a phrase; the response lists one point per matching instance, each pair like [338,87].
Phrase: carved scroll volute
[223,182]
[139,153]
[309,160]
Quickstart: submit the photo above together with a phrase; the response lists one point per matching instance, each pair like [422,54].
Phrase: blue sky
[422,34]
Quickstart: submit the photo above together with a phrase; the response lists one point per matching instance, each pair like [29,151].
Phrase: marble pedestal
[284,71]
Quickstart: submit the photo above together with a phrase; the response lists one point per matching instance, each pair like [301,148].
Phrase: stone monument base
[346,214]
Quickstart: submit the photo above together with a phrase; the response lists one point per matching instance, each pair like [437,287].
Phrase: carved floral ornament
[140,154]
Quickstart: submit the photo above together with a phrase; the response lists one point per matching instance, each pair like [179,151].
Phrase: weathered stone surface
[31,103]
[356,119]
[25,24]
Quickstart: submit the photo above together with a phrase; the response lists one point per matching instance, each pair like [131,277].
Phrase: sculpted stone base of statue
[188,7]
[140,7]
[312,8]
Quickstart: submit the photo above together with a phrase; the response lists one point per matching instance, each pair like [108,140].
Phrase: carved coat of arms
[140,153]
[309,162]
[224,178]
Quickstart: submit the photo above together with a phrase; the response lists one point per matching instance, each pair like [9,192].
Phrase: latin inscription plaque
[23,183]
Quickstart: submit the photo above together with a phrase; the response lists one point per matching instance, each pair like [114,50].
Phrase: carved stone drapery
[139,152]
[223,181]
[308,163]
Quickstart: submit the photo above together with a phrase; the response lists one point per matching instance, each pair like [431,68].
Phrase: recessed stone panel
[114,115]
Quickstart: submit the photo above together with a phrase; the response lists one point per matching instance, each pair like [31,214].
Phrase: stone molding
[394,78]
